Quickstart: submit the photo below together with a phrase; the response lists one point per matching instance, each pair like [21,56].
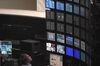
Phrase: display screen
[83,56]
[60,38]
[76,42]
[50,47]
[60,49]
[69,51]
[59,6]
[83,45]
[50,4]
[51,36]
[76,53]
[56,60]
[69,40]
[6,47]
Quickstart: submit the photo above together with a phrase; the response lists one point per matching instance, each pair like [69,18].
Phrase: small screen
[60,49]
[69,40]
[51,36]
[50,47]
[50,4]
[76,53]
[6,47]
[83,56]
[69,51]
[56,60]
[60,6]
[60,38]
[76,42]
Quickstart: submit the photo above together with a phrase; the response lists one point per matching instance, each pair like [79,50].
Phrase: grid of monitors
[69,20]
[6,47]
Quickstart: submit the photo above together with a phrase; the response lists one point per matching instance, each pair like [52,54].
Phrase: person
[25,60]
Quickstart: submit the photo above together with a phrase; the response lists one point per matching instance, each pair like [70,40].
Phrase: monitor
[56,60]
[76,54]
[50,4]
[50,47]
[69,40]
[60,49]
[69,51]
[83,56]
[60,38]
[51,36]
[59,5]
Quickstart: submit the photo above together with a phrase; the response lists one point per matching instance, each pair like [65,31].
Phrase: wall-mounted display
[60,38]
[51,36]
[69,51]
[61,49]
[50,47]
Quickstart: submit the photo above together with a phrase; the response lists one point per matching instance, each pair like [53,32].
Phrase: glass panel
[60,6]
[83,56]
[50,25]
[68,18]
[82,11]
[51,36]
[68,7]
[60,38]
[69,29]
[50,4]
[60,16]
[76,53]
[50,15]
[83,45]
[76,31]
[82,2]
[76,9]
[76,20]
[83,22]
[77,1]
[60,27]
[82,34]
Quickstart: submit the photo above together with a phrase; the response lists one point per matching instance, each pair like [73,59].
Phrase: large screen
[56,60]
[6,47]
[76,54]
[50,47]
[60,49]
[69,51]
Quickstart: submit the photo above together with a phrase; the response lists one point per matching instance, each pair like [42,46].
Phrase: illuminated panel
[69,40]
[83,45]
[60,49]
[76,53]
[50,4]
[50,47]
[69,51]
[59,6]
[56,60]
[76,42]
[51,36]
[68,7]
[83,56]
[60,38]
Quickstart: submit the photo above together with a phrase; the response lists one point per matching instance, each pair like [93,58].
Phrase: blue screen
[69,40]
[60,6]
[69,51]
[76,53]
[50,4]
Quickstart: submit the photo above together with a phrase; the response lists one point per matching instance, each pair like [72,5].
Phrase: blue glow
[68,7]
[76,53]
[60,6]
[69,40]
[69,51]
[50,4]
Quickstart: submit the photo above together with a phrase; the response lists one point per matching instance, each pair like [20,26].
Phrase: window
[83,22]
[59,6]
[76,42]
[60,27]
[50,4]
[76,31]
[76,9]
[69,0]
[68,18]
[69,51]
[82,2]
[50,25]
[60,49]
[76,54]
[68,7]
[50,15]
[76,20]
[56,60]
[77,1]
[69,29]
[83,45]
[69,40]
[87,3]
[83,56]
[51,36]
[60,16]
[82,11]
[82,34]
[50,47]
[60,38]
